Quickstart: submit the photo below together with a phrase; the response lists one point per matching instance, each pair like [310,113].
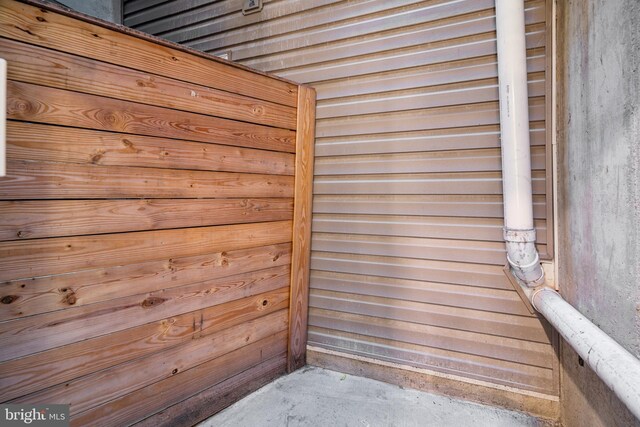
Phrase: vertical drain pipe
[615,366]
[519,233]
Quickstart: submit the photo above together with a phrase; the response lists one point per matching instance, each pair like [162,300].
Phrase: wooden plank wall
[146,233]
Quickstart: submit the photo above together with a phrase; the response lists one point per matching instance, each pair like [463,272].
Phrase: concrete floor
[319,397]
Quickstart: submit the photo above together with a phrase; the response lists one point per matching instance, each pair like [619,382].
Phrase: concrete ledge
[538,404]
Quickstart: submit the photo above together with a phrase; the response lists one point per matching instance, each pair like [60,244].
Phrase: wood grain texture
[26,259]
[224,373]
[32,64]
[146,247]
[44,180]
[41,27]
[208,402]
[29,374]
[301,229]
[37,295]
[38,142]
[81,394]
[42,104]
[35,219]
[50,330]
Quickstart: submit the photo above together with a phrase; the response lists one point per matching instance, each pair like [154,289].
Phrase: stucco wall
[109,10]
[599,202]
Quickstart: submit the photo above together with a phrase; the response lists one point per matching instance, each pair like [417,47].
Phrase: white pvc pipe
[519,232]
[615,366]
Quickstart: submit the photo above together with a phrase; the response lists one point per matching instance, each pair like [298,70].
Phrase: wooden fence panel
[147,254]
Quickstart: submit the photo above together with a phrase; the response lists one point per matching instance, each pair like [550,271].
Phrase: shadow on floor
[319,397]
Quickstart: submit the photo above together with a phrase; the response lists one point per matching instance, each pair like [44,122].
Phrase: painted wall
[109,10]
[599,199]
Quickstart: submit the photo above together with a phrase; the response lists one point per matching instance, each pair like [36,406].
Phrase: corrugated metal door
[407,243]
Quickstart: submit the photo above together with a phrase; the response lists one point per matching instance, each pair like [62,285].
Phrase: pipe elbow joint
[523,257]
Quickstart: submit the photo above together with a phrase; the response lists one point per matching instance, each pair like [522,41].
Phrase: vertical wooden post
[299,297]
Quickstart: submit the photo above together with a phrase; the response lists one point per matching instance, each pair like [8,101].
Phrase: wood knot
[175,371]
[40,19]
[264,303]
[20,106]
[96,157]
[152,302]
[146,83]
[8,299]
[70,298]
[110,117]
